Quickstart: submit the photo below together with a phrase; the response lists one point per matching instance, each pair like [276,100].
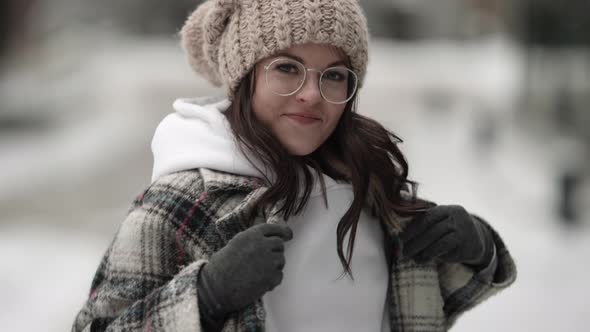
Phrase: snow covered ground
[65,192]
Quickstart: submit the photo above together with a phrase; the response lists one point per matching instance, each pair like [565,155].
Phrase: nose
[310,91]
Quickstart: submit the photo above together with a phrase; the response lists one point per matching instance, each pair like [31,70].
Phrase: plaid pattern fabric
[146,280]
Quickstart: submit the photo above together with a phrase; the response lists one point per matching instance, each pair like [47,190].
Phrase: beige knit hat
[224,39]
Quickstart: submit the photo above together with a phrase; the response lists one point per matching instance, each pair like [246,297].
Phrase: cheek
[337,114]
[263,106]
[264,103]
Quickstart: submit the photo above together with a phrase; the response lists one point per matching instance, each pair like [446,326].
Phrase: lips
[303,115]
[303,118]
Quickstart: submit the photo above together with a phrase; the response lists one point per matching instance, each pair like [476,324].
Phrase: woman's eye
[335,76]
[287,68]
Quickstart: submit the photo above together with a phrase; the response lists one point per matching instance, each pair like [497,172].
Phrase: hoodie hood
[198,135]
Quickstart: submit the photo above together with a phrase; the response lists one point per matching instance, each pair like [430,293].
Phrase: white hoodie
[310,298]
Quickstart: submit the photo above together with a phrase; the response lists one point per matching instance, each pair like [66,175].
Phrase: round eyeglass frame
[305,77]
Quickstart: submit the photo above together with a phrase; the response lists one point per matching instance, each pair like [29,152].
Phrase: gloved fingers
[280,263]
[276,279]
[451,255]
[421,223]
[425,239]
[441,248]
[276,244]
[443,211]
[281,231]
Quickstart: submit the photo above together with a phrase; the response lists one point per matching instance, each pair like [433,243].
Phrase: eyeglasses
[285,77]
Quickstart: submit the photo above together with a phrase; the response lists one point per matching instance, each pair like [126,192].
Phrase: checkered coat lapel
[146,279]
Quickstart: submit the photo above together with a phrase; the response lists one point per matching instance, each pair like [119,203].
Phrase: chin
[301,150]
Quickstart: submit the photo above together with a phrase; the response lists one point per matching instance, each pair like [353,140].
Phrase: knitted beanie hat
[224,39]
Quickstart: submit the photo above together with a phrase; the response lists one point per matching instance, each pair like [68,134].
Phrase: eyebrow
[294,57]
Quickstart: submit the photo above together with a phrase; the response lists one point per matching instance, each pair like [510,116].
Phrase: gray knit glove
[250,265]
[448,233]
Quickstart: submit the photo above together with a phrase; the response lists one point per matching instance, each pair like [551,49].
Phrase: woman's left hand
[448,233]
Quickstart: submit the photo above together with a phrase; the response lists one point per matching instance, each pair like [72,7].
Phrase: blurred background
[490,96]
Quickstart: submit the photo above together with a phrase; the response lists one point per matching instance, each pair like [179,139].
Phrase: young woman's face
[304,120]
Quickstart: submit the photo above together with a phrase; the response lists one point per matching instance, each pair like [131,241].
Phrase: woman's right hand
[250,265]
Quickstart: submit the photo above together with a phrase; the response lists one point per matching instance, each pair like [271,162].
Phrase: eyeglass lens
[286,76]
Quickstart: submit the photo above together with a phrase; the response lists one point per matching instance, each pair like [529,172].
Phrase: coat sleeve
[462,288]
[147,277]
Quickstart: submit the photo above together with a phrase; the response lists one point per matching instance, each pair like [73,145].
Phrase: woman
[281,208]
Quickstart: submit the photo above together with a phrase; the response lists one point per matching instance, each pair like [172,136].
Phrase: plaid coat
[146,280]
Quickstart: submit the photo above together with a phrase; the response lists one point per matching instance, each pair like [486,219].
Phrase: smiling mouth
[303,116]
[302,119]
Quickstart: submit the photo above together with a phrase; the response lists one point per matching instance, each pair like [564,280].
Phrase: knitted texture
[224,39]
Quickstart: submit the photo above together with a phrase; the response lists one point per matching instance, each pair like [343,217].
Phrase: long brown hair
[360,151]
